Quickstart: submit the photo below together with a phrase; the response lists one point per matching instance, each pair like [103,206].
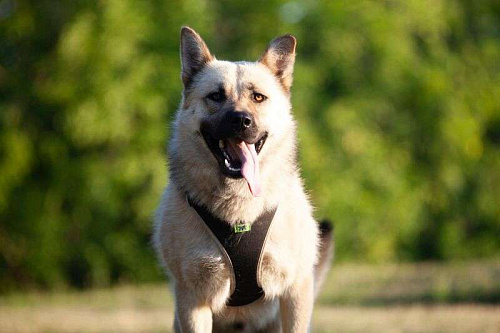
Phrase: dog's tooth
[226,162]
[221,144]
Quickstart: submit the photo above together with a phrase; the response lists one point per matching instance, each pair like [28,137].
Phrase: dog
[233,161]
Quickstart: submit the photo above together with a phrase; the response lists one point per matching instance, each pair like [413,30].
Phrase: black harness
[243,244]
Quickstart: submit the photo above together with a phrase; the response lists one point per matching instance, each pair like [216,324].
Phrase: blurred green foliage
[398,104]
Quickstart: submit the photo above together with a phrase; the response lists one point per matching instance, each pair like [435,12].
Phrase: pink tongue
[249,164]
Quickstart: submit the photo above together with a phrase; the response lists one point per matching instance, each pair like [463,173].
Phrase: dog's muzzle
[235,143]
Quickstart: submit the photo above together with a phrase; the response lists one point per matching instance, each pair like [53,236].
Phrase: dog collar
[244,247]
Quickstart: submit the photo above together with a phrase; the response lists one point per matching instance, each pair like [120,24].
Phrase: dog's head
[239,111]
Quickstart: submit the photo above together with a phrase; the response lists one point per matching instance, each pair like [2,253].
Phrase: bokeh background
[398,106]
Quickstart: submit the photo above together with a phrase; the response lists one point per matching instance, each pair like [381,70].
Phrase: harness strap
[244,244]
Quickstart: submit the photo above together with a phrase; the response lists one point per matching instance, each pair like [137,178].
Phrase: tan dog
[233,150]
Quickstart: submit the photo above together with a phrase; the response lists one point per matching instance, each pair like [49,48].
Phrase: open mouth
[237,158]
[229,161]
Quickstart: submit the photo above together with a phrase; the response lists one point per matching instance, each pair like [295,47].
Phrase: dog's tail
[325,254]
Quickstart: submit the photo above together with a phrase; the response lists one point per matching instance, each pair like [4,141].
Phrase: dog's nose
[241,120]
[247,121]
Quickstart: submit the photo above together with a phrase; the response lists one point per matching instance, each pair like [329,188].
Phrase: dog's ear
[194,54]
[279,57]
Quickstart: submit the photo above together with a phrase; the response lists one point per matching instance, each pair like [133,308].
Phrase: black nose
[240,120]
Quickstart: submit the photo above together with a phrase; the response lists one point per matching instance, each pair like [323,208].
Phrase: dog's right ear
[279,57]
[194,54]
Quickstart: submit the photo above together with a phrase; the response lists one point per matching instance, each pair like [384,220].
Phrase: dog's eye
[216,97]
[258,98]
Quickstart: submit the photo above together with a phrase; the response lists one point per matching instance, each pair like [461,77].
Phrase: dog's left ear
[194,54]
[279,57]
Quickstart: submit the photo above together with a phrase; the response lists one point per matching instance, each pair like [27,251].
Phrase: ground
[430,297]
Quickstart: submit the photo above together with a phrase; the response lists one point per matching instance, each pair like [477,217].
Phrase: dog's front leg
[190,315]
[296,306]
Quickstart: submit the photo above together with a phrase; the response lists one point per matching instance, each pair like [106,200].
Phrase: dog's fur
[296,254]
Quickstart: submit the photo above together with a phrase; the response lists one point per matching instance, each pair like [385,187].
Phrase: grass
[429,297]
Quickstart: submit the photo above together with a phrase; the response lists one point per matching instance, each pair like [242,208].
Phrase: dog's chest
[240,265]
[243,246]
[212,275]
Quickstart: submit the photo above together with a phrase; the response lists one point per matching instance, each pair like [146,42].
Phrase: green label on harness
[239,228]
